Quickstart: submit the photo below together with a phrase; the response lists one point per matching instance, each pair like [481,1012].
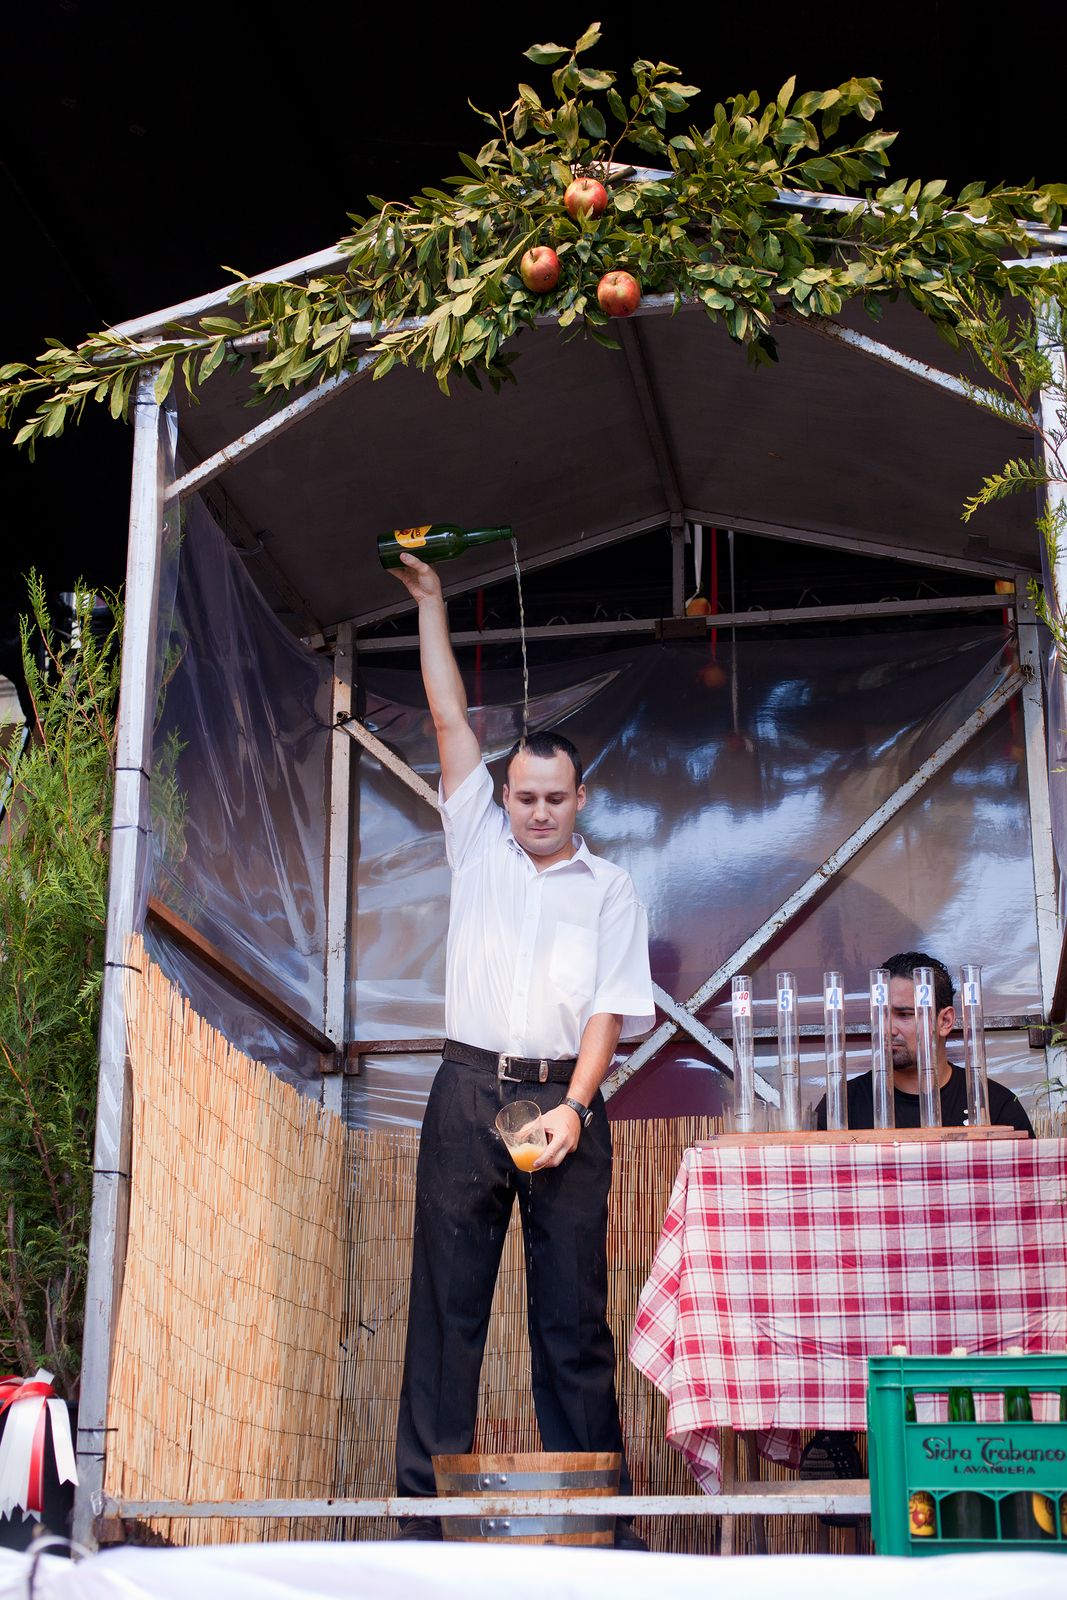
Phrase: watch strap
[583,1113]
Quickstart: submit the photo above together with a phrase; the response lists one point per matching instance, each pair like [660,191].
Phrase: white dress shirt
[533,955]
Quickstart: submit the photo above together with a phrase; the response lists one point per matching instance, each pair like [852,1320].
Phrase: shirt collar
[582,857]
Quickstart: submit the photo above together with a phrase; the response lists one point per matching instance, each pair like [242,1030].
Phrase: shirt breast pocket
[572,965]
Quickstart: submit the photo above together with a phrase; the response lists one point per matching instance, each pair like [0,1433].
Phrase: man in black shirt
[1003,1106]
[832,1454]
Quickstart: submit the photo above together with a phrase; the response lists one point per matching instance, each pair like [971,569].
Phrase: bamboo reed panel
[261,1333]
[226,1374]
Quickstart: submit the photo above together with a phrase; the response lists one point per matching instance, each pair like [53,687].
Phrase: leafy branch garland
[435,282]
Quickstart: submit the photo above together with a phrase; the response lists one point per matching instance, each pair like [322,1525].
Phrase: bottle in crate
[966,1514]
[922,1512]
[1042,1508]
[1018,1512]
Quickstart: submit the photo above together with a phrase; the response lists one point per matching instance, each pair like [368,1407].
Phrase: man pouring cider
[546,970]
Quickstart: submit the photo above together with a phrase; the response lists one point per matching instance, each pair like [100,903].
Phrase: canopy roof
[828,446]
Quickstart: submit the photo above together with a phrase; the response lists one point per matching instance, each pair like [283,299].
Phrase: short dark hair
[545,744]
[903,966]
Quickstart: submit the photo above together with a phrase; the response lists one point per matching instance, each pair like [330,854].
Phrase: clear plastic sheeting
[1056,711]
[239,800]
[722,778]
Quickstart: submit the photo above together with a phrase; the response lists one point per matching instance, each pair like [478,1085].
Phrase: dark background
[143,149]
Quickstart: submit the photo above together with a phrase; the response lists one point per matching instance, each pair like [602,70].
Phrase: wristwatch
[583,1113]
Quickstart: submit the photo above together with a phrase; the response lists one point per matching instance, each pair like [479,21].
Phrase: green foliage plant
[1021,346]
[53,889]
[434,283]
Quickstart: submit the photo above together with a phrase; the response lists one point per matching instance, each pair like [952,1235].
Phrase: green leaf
[545,55]
[598,337]
[616,106]
[593,122]
[589,38]
[211,360]
[567,124]
[164,379]
[590,79]
[441,339]
[221,325]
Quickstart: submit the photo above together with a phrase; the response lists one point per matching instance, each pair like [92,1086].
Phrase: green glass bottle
[966,1514]
[434,541]
[1017,1511]
[922,1513]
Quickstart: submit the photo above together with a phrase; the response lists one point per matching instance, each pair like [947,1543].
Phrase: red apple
[539,268]
[585,197]
[618,293]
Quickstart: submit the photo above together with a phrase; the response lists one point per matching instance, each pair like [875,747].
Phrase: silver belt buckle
[503,1061]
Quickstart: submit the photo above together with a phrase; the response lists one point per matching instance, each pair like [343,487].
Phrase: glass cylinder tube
[788,1052]
[881,1050]
[926,1048]
[833,1011]
[744,1066]
[974,1063]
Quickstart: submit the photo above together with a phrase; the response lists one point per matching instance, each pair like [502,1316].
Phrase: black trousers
[465,1188]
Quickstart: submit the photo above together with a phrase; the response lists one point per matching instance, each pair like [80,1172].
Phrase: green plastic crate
[996,1459]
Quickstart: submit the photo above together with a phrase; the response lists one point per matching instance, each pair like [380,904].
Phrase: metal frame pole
[1043,855]
[337,849]
[130,828]
[1050,413]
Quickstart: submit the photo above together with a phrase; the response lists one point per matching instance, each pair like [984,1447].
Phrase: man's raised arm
[456,743]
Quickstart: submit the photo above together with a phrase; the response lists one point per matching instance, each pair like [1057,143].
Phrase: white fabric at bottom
[384,1571]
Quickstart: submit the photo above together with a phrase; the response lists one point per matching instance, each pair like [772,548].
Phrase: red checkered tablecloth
[781,1268]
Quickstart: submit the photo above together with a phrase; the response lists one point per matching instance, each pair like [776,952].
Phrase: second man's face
[542,803]
[902,1014]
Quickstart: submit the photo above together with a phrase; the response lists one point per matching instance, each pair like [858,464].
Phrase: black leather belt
[510,1069]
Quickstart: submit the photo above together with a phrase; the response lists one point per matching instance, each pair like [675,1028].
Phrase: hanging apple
[585,197]
[618,293]
[539,269]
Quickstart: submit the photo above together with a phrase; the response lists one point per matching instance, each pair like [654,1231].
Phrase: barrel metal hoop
[522,1527]
[529,1482]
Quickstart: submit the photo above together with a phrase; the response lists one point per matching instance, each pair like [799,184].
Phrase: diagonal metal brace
[716,1047]
[818,880]
[389,758]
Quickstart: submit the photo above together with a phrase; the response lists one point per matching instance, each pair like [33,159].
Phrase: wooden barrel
[572,1473]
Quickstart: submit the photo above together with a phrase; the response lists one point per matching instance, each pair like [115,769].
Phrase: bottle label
[742,1002]
[412,538]
[921,1515]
